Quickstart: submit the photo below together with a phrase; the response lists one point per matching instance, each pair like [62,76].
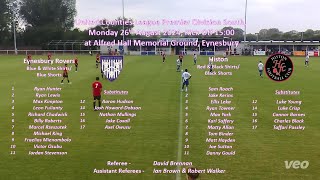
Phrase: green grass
[154,133]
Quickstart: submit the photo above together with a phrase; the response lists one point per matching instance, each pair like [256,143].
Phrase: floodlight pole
[245,22]
[13,8]
[14,37]
[123,25]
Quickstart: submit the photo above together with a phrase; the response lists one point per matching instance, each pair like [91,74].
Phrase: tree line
[37,22]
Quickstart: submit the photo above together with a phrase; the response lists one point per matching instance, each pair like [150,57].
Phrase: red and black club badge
[279,67]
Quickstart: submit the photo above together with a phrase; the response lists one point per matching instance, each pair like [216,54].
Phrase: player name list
[48,123]
[47,120]
[118,113]
[220,137]
[288,115]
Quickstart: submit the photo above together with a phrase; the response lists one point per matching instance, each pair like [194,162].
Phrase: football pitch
[167,125]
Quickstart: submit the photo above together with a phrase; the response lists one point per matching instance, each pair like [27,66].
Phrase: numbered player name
[220,121]
[288,127]
[47,127]
[220,146]
[222,95]
[52,108]
[47,153]
[49,146]
[118,120]
[60,140]
[47,101]
[118,101]
[220,133]
[117,127]
[220,89]
[220,114]
[297,121]
[120,114]
[64,114]
[288,102]
[134,108]
[224,127]
[220,140]
[215,101]
[223,153]
[285,108]
[37,89]
[47,121]
[48,95]
[220,108]
[47,133]
[288,114]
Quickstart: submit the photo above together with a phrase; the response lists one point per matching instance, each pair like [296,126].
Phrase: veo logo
[296,164]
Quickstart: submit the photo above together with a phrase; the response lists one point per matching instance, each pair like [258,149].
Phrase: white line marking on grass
[179,158]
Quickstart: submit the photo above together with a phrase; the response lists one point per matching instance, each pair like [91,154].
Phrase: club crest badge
[279,67]
[111,66]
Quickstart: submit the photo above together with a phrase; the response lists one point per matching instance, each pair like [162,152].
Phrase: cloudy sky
[283,14]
